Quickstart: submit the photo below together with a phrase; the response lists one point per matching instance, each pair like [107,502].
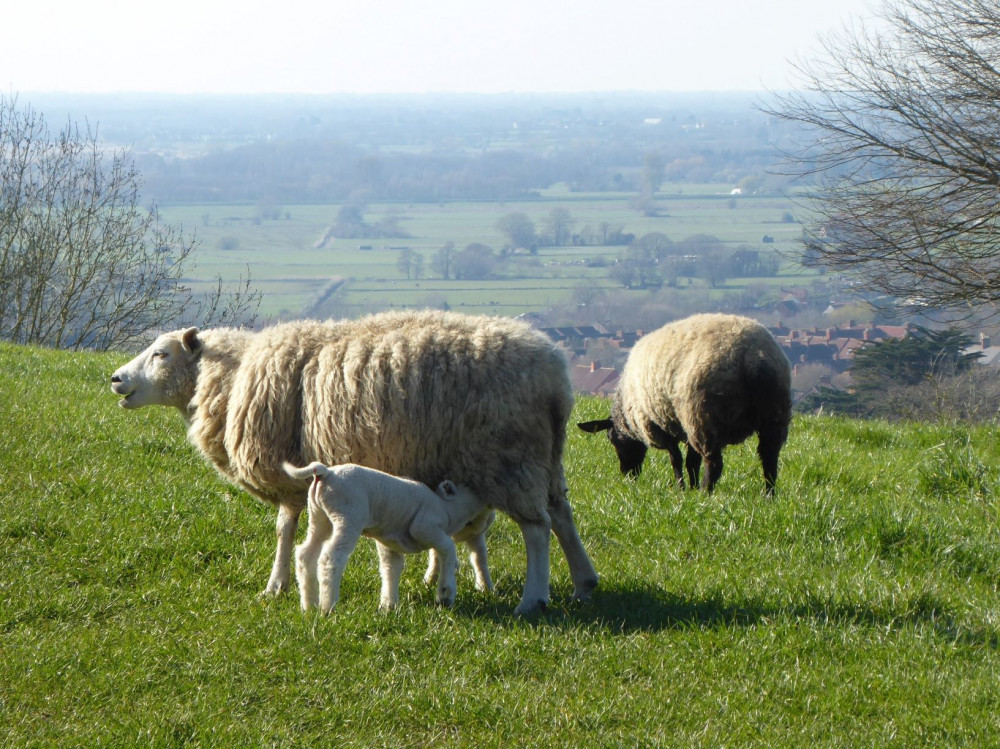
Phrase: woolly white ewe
[429,395]
[708,380]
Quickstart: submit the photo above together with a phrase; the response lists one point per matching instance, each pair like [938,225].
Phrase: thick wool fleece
[429,395]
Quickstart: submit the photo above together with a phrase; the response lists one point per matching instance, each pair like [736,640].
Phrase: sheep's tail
[313,470]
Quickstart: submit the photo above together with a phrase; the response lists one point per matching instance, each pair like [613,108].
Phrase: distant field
[287,266]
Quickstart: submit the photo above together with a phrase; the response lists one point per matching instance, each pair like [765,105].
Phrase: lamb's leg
[286,526]
[390,566]
[427,532]
[307,557]
[332,561]
[448,558]
[581,569]
[477,556]
[433,568]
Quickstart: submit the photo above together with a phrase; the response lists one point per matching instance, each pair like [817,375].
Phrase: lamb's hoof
[273,590]
[529,609]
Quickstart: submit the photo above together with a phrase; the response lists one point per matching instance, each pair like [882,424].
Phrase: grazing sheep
[430,395]
[708,380]
[403,516]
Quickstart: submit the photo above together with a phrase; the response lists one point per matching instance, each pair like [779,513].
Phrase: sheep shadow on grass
[640,607]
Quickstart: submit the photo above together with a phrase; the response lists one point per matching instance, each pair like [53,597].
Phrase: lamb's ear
[600,425]
[447,490]
[191,342]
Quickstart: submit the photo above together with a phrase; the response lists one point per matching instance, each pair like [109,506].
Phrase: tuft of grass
[858,606]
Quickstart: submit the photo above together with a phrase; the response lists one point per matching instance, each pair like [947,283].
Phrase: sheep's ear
[447,489]
[191,342]
[600,425]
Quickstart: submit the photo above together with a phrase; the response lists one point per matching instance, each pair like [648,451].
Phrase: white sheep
[708,380]
[403,516]
[430,395]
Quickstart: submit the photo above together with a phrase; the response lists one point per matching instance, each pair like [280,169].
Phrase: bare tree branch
[83,263]
[902,138]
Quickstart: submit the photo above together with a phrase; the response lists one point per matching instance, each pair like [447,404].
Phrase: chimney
[852,323]
[594,365]
[984,341]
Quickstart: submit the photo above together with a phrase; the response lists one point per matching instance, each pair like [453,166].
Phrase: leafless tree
[83,263]
[904,139]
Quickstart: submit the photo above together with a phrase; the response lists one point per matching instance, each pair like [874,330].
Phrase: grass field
[859,607]
[289,269]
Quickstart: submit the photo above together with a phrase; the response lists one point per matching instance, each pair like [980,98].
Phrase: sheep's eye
[159,354]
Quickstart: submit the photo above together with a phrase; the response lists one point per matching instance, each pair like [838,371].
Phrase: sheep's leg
[693,466]
[390,566]
[286,526]
[713,470]
[332,561]
[535,596]
[769,444]
[677,461]
[477,557]
[307,557]
[581,569]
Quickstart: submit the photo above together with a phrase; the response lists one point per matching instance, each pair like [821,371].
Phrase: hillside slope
[859,606]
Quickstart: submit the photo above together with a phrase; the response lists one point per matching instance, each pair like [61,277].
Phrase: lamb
[403,516]
[429,395]
[709,380]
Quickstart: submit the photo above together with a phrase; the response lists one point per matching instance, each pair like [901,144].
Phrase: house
[594,379]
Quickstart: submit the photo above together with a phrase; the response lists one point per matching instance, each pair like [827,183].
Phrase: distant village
[831,348]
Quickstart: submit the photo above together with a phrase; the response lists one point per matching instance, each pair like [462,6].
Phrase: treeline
[472,149]
[316,171]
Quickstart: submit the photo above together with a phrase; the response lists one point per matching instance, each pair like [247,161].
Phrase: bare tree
[558,226]
[519,229]
[904,137]
[82,262]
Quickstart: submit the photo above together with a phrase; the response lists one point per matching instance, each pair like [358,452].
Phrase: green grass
[858,607]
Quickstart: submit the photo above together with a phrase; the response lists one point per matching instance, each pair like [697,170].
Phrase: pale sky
[402,46]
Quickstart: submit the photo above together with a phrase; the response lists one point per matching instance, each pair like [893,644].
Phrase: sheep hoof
[527,609]
[586,588]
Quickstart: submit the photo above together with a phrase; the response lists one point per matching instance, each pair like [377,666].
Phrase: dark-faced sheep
[708,380]
[427,395]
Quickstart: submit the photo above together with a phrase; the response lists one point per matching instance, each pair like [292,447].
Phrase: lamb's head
[163,375]
[450,492]
[631,451]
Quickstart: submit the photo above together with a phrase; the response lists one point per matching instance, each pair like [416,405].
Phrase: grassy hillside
[858,607]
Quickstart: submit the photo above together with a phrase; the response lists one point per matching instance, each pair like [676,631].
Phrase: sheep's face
[162,375]
[631,452]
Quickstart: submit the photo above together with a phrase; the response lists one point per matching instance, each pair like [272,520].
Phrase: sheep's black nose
[115,379]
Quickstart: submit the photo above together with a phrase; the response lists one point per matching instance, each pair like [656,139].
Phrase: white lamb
[403,516]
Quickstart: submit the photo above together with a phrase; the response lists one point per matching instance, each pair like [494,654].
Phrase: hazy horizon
[392,47]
